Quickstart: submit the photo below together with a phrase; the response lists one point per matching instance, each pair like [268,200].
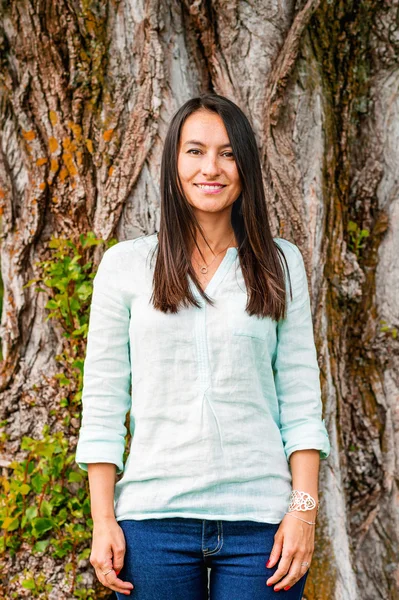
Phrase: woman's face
[205,157]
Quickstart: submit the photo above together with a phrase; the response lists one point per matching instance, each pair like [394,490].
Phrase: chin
[210,209]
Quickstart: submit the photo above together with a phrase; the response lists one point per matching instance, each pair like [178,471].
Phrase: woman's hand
[294,542]
[107,552]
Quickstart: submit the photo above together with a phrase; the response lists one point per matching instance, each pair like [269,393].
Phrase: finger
[283,567]
[110,580]
[115,586]
[118,556]
[113,579]
[275,552]
[294,574]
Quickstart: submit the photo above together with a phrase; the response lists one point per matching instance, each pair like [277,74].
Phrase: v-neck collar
[219,274]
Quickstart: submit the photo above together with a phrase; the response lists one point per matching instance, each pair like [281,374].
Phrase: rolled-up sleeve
[106,396]
[296,370]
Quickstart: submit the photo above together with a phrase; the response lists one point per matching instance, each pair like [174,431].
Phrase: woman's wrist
[100,519]
[303,506]
[309,514]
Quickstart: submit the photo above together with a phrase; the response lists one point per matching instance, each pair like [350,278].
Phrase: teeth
[210,187]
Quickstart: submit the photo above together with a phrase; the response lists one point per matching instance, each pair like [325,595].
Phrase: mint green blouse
[218,399]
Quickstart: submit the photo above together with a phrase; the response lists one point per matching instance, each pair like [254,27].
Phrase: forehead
[204,126]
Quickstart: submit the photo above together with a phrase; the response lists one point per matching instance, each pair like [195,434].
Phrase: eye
[193,150]
[230,154]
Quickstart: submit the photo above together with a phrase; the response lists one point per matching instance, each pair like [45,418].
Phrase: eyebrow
[198,143]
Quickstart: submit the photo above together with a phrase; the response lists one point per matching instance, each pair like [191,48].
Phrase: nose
[210,166]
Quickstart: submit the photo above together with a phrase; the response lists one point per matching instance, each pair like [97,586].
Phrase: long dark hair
[258,253]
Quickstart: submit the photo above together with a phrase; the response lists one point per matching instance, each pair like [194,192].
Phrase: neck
[218,234]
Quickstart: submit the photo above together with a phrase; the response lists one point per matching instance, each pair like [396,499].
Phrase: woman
[216,341]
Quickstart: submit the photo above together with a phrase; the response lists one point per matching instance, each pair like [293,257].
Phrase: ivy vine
[44,499]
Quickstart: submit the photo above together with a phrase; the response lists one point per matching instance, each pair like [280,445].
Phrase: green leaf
[352,226]
[62,379]
[45,449]
[30,282]
[68,567]
[41,545]
[46,508]
[75,477]
[41,525]
[84,554]
[52,305]
[56,243]
[62,514]
[29,584]
[81,331]
[10,524]
[31,513]
[26,442]
[84,289]
[24,489]
[78,363]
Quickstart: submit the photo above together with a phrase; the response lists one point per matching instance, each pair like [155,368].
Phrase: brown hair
[258,253]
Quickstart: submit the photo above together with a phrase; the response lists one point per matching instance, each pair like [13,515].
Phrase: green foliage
[39,498]
[45,503]
[36,585]
[68,277]
[388,329]
[356,237]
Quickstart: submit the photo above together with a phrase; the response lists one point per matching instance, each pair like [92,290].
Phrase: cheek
[236,190]
[234,176]
[185,169]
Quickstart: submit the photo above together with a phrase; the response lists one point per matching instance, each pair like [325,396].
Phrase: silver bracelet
[304,520]
[302,501]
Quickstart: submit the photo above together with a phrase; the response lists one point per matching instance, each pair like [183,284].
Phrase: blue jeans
[168,558]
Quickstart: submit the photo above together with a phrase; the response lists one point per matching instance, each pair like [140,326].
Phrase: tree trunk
[87,92]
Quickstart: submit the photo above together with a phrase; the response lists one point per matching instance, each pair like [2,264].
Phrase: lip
[218,188]
[215,183]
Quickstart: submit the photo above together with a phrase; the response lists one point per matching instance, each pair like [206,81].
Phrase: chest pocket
[243,324]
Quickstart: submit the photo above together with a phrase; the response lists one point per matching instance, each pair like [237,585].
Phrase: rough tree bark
[87,91]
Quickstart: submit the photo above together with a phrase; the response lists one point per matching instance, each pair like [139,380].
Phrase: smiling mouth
[210,186]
